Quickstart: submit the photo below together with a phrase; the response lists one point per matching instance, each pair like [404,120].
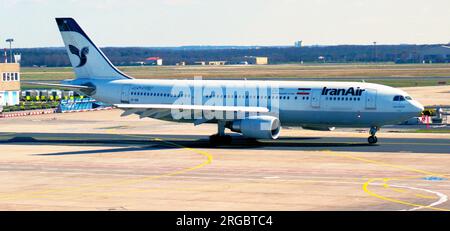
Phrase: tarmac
[101,161]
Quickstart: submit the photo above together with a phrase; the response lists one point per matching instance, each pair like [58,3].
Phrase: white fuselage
[256,109]
[297,103]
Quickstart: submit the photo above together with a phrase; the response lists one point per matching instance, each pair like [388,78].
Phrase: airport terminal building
[9,84]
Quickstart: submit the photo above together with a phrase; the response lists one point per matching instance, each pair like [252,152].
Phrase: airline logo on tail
[82,55]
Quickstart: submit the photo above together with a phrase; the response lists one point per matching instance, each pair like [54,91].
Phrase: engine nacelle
[316,128]
[258,127]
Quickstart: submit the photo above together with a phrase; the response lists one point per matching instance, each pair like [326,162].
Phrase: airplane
[255,109]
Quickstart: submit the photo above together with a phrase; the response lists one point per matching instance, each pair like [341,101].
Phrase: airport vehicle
[256,109]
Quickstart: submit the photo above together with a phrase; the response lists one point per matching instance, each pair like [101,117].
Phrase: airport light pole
[375,51]
[10,41]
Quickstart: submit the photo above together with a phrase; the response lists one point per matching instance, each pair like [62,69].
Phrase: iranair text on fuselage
[342,91]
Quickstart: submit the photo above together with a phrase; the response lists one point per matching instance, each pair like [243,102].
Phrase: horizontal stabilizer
[67,86]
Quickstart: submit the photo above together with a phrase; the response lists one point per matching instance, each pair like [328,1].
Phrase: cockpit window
[408,98]
[399,98]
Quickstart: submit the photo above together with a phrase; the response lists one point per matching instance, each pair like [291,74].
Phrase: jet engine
[258,127]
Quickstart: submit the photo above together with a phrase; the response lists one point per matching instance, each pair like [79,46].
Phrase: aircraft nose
[418,106]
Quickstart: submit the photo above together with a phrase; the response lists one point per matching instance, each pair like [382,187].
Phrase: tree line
[57,57]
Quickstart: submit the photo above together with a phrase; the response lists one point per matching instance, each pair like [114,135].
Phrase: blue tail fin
[86,58]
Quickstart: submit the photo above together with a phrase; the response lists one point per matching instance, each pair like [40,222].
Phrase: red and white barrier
[26,113]
[44,112]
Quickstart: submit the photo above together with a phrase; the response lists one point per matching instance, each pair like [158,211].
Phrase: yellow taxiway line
[386,180]
[44,193]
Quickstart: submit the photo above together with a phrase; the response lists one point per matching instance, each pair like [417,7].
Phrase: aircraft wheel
[373,140]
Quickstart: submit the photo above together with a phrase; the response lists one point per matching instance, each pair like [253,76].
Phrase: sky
[156,23]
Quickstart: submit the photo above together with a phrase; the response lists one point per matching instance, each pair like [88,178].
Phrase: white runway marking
[272,177]
[442,197]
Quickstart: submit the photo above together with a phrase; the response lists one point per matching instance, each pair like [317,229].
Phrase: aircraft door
[125,98]
[371,99]
[315,98]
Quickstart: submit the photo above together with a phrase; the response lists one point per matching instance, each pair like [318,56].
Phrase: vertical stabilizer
[87,60]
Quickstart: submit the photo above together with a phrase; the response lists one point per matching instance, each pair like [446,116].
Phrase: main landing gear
[372,138]
[220,137]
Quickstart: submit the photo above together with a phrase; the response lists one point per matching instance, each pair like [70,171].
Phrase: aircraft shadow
[136,143]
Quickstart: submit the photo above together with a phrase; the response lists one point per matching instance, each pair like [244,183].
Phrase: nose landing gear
[372,138]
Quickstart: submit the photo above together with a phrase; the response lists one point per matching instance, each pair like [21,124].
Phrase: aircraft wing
[141,107]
